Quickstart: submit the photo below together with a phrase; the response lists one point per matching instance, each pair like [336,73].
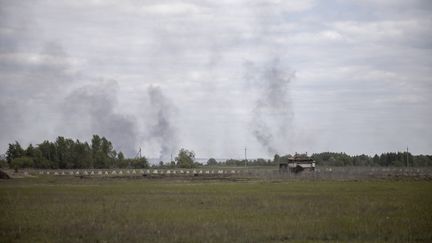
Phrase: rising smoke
[78,108]
[91,108]
[272,114]
[42,87]
[162,128]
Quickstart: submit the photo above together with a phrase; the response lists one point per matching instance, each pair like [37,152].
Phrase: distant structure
[297,164]
[138,155]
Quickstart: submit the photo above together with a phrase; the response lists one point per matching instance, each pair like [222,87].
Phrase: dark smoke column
[272,115]
[162,128]
[91,109]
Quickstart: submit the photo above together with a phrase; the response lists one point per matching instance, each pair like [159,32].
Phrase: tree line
[65,153]
[396,159]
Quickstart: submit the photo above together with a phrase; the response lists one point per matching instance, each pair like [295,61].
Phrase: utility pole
[407,163]
[138,154]
[245,156]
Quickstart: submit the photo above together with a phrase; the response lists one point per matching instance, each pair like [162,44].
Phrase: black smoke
[272,114]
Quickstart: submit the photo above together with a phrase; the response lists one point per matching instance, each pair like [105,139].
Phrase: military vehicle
[297,164]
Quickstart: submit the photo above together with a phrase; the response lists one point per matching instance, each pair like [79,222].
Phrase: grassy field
[70,209]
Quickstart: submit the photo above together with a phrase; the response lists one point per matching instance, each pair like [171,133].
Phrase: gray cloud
[358,63]
[31,87]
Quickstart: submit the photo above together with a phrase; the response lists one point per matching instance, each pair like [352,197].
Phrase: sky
[215,77]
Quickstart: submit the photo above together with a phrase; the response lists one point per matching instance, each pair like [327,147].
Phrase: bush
[22,162]
[138,163]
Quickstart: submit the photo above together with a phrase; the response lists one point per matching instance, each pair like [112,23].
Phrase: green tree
[185,158]
[63,152]
[107,148]
[172,164]
[96,143]
[80,156]
[67,153]
[48,152]
[211,161]
[14,151]
[376,160]
[103,153]
[98,155]
[276,158]
[39,160]
[29,151]
[120,156]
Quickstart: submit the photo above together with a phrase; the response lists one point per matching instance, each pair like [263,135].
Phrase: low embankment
[320,173]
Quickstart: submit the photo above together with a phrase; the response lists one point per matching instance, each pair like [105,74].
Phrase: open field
[92,209]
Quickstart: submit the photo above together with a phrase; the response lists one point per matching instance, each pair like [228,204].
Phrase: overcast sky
[215,77]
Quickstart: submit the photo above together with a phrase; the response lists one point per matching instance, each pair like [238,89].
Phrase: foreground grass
[70,209]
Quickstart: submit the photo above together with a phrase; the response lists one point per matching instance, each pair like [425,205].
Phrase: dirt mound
[4,175]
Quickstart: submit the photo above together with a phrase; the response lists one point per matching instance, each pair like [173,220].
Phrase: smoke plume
[272,113]
[162,128]
[91,109]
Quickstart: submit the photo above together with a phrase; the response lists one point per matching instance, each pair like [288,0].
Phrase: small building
[297,164]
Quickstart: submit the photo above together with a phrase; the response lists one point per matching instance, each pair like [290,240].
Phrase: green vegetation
[185,159]
[66,153]
[21,162]
[343,159]
[69,209]
[211,161]
[385,159]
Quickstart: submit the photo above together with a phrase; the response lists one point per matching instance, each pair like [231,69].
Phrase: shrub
[22,162]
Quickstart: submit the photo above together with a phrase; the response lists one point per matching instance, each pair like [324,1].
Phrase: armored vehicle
[297,163]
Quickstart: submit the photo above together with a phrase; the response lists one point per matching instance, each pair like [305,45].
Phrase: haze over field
[216,76]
